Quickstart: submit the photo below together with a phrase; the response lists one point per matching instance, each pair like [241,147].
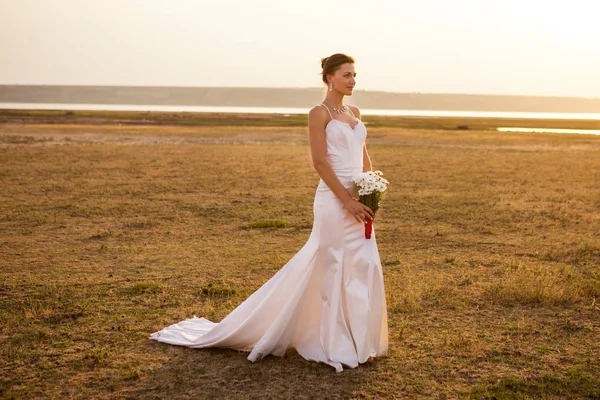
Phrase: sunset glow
[530,47]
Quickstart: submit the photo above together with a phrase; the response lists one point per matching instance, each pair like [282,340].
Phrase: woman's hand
[361,212]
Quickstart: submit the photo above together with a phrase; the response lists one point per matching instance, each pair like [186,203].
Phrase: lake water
[273,110]
[552,130]
[290,110]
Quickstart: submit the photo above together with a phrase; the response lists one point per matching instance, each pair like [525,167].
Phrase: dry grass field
[489,243]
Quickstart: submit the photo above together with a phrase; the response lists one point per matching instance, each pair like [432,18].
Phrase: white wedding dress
[328,301]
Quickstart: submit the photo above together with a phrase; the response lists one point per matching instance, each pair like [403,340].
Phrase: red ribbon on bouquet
[369,228]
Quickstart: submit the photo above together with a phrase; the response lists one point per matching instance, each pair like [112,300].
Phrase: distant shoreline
[83,117]
[290,98]
[294,110]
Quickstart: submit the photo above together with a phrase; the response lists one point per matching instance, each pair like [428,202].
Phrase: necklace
[340,110]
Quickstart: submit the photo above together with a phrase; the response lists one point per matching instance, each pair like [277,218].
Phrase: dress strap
[327,108]
[352,112]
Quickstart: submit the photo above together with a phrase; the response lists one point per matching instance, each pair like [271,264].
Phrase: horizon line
[297,87]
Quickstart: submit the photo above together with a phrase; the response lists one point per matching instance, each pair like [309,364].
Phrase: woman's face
[343,79]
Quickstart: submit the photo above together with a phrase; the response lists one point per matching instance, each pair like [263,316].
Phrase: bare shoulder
[317,114]
[355,110]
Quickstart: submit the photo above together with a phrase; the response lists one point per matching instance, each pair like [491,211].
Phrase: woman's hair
[332,63]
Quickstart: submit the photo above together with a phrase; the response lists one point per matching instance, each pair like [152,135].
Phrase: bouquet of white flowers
[371,186]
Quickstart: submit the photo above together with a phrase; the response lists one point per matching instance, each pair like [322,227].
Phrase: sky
[522,47]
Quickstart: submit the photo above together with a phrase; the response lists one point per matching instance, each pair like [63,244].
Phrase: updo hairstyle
[332,63]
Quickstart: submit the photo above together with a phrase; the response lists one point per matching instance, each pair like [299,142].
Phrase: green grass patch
[217,289]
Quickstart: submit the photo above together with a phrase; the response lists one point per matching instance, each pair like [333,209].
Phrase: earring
[330,87]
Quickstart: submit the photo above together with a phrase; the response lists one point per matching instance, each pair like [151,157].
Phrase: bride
[328,301]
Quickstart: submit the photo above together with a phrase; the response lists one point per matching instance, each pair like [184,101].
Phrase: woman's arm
[318,149]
